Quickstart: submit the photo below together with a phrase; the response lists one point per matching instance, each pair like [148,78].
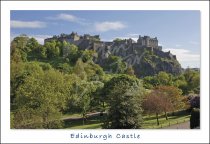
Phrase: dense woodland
[45,85]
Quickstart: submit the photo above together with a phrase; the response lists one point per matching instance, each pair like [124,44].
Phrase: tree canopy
[124,97]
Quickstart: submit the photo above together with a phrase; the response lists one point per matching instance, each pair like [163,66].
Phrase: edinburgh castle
[132,52]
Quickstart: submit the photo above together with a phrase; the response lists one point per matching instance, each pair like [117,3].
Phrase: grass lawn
[150,122]
[90,123]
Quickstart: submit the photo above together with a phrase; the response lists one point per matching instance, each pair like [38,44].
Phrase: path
[185,125]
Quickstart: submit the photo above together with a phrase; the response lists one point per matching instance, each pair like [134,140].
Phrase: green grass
[90,123]
[150,122]
[88,126]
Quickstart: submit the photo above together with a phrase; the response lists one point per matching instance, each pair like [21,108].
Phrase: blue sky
[177,31]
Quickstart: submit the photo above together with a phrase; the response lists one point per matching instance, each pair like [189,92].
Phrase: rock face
[145,56]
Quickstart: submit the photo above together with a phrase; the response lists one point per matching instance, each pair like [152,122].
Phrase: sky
[177,31]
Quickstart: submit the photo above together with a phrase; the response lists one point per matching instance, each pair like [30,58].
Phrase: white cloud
[135,39]
[69,18]
[185,57]
[107,26]
[39,38]
[27,24]
[65,17]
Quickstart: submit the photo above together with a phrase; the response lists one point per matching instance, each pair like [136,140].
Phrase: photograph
[105,69]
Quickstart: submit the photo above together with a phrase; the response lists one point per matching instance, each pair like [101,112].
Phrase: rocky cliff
[144,60]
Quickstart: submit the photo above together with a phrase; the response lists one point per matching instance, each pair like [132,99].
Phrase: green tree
[52,49]
[87,55]
[19,49]
[79,69]
[117,40]
[96,103]
[124,97]
[36,51]
[19,72]
[84,91]
[32,44]
[150,82]
[20,42]
[88,71]
[181,83]
[163,78]
[39,100]
[81,95]
[64,67]
[93,71]
[72,99]
[193,81]
[71,52]
[115,64]
[45,66]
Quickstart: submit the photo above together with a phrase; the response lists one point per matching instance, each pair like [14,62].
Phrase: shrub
[195,102]
[195,118]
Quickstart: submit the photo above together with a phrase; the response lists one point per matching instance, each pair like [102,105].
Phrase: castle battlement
[144,41]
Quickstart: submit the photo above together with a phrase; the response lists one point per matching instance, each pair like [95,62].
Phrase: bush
[195,118]
[195,102]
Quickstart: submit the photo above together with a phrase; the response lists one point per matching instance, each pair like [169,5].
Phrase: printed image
[105,69]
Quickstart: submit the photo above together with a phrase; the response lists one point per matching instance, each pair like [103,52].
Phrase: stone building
[74,36]
[148,42]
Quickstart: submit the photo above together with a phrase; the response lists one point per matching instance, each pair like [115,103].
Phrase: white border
[147,136]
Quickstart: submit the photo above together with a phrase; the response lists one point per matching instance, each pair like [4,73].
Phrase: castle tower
[147,41]
[74,36]
[139,41]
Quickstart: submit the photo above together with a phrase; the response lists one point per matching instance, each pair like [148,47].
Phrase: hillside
[145,56]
